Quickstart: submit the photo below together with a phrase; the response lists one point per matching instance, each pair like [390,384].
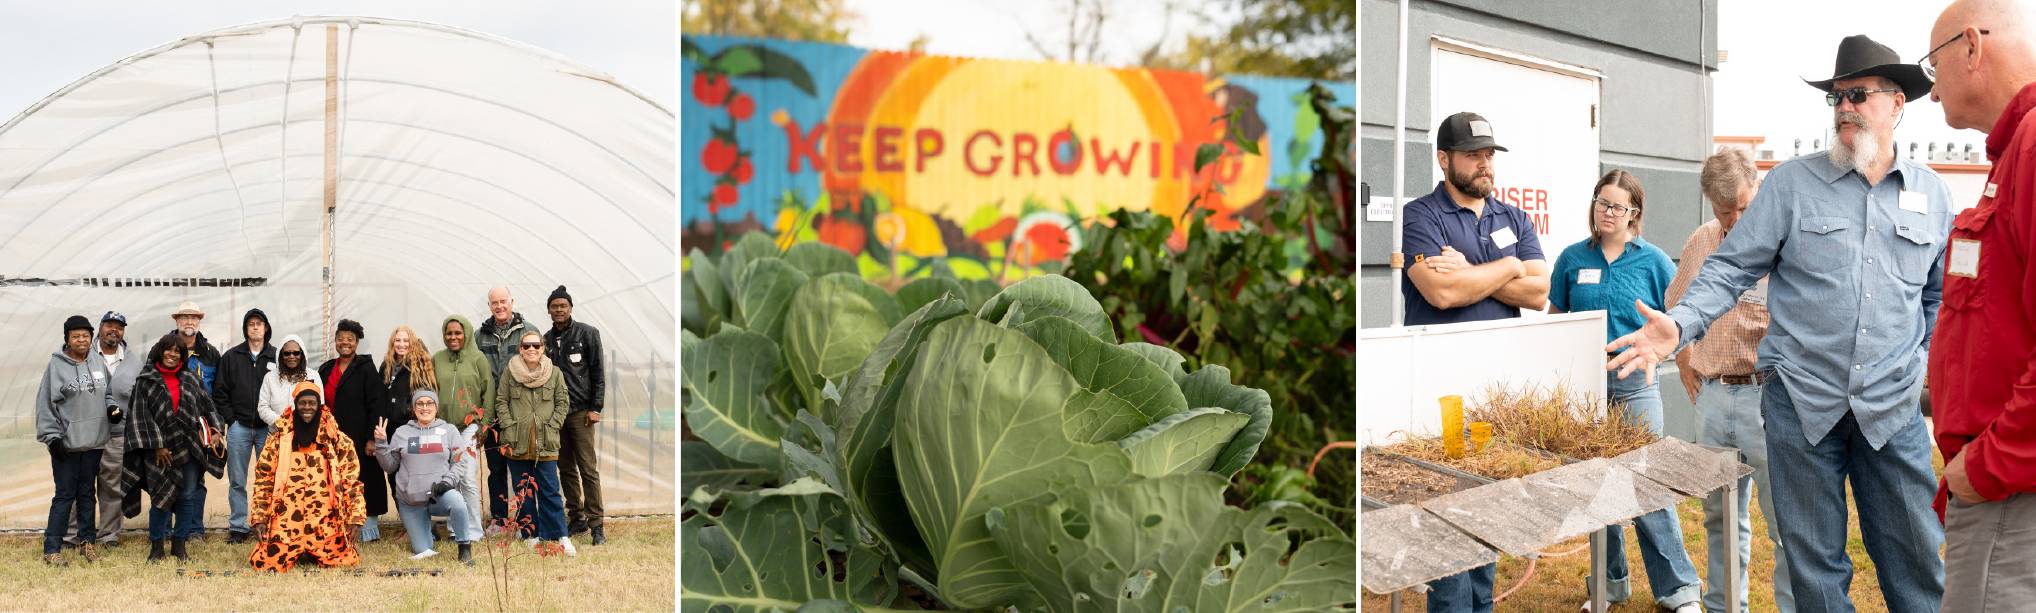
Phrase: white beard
[1860,154]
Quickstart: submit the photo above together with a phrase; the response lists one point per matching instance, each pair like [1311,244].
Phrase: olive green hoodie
[466,381]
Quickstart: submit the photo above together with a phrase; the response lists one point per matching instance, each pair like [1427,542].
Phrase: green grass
[634,571]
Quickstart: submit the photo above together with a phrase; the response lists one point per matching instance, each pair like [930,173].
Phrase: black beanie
[77,322]
[559,293]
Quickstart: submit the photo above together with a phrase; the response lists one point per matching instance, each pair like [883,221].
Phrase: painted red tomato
[742,171]
[845,234]
[725,195]
[1045,243]
[741,107]
[719,156]
[710,89]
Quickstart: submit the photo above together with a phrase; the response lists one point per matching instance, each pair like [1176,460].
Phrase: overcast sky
[47,45]
[1773,46]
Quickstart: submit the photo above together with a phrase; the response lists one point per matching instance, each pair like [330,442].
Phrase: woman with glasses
[1607,272]
[291,367]
[530,408]
[173,440]
[428,460]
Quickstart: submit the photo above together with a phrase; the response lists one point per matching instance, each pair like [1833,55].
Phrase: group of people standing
[330,445]
[1801,319]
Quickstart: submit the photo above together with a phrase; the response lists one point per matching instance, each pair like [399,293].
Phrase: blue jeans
[243,443]
[451,505]
[185,511]
[1893,487]
[1466,592]
[1670,573]
[1730,415]
[77,497]
[549,503]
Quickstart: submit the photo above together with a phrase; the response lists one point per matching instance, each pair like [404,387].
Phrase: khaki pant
[579,470]
[1988,564]
[108,491]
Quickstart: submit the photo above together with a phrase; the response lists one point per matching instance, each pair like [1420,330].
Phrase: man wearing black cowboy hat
[1853,242]
[1985,65]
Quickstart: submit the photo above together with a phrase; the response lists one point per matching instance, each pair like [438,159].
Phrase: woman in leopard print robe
[306,493]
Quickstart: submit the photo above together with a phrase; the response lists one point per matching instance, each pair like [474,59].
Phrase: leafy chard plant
[949,446]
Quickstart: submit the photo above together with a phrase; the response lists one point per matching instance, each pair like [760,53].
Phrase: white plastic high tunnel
[198,170]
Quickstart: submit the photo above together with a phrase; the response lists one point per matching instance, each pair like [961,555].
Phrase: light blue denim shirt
[1855,278]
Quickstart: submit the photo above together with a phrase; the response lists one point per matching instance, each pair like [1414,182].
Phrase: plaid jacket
[153,425]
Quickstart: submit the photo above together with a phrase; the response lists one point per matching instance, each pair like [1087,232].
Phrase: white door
[1545,114]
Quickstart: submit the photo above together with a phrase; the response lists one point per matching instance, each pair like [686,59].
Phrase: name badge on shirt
[98,375]
[1915,202]
[575,358]
[1964,258]
[1757,295]
[1589,276]
[1989,191]
[1503,238]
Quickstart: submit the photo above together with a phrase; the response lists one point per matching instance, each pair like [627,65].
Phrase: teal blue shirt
[1583,281]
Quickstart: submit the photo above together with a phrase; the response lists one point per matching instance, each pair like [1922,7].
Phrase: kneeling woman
[429,459]
[307,501]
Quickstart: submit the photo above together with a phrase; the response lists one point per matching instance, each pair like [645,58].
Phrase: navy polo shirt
[1436,220]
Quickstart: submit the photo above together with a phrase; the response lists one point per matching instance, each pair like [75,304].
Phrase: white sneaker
[492,530]
[1689,607]
[567,542]
[530,542]
[426,554]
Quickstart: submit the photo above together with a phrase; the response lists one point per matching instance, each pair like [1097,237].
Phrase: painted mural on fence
[987,165]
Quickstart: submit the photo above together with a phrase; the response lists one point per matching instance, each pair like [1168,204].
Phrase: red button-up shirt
[1982,375]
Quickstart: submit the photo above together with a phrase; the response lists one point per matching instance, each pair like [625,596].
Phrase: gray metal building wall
[1654,109]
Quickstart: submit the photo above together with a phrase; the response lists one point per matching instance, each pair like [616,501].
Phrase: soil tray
[1497,462]
[1395,481]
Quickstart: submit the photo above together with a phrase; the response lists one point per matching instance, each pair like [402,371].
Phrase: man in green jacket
[497,338]
[466,388]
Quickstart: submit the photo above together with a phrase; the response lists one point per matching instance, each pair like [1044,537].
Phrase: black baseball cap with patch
[1465,131]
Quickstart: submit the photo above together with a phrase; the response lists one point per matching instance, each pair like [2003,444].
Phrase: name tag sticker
[1589,276]
[1757,295]
[1989,191]
[575,358]
[1915,202]
[98,375]
[1964,258]
[1503,238]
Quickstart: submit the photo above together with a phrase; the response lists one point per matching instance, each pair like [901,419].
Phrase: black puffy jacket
[576,351]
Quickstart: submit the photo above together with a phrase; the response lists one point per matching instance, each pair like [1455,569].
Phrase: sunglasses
[293,354]
[1929,67]
[533,345]
[1857,95]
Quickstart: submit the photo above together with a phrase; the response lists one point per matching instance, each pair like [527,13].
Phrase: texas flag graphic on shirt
[428,443]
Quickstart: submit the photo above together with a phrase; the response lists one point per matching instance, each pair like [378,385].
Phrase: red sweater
[175,384]
[1982,384]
